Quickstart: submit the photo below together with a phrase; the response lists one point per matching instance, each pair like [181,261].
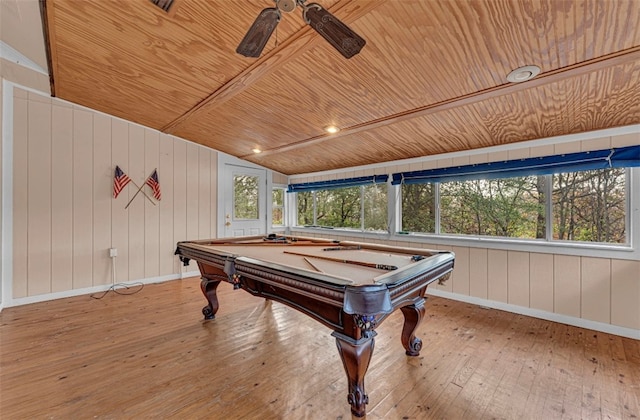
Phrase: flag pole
[136,194]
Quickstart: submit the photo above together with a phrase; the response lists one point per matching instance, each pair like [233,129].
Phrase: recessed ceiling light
[522,74]
[256,150]
[331,129]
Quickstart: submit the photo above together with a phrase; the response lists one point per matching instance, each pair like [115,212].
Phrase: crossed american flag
[121,179]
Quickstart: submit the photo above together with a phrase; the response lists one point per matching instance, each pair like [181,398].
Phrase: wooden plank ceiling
[431,78]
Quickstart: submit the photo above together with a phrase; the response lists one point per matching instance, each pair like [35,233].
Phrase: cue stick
[362,263]
[312,265]
[272,243]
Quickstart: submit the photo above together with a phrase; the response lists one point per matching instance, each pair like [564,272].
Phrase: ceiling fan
[343,39]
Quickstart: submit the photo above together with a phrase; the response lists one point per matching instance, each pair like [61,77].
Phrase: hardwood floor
[151,355]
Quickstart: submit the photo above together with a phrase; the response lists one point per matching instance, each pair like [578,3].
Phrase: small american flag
[153,182]
[120,180]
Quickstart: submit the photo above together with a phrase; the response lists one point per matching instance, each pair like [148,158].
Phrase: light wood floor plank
[151,355]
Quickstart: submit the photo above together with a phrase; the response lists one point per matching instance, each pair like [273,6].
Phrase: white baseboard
[187,274]
[537,313]
[94,289]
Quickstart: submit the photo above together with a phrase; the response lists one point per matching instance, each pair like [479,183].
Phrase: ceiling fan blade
[343,39]
[259,33]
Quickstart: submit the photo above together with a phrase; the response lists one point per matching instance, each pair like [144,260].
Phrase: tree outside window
[305,201]
[590,206]
[277,210]
[419,208]
[245,197]
[374,206]
[362,207]
[500,207]
[338,208]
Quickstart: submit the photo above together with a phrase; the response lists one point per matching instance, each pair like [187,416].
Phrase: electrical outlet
[113,252]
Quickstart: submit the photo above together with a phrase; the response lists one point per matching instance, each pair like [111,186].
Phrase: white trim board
[6,240]
[537,313]
[11,54]
[97,289]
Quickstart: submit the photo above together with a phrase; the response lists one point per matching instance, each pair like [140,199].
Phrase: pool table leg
[355,355]
[208,287]
[413,315]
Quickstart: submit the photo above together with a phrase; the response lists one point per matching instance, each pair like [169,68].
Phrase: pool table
[350,287]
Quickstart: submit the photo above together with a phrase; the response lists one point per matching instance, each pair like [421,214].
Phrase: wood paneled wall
[64,216]
[597,290]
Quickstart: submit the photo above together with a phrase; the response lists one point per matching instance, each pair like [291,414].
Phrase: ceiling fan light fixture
[522,74]
[256,150]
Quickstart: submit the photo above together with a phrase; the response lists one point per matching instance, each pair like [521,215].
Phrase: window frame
[628,251]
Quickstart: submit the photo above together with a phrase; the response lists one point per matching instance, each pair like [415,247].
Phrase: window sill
[623,252]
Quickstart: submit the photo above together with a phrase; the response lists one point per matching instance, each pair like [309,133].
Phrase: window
[587,206]
[245,197]
[512,207]
[362,207]
[374,207]
[590,206]
[277,209]
[338,208]
[419,208]
[306,208]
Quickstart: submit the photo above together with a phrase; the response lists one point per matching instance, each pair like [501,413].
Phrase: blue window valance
[621,157]
[337,183]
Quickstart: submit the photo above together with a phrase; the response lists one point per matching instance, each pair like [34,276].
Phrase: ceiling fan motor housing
[286,6]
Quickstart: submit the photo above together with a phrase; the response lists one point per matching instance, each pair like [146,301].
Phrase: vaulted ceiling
[431,78]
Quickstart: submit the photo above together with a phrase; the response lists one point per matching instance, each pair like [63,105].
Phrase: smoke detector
[522,74]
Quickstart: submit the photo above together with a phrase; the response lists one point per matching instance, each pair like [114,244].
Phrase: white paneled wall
[65,219]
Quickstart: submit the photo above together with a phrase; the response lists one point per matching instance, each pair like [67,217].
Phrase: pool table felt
[357,274]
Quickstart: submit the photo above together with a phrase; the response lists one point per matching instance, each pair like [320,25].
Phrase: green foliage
[499,207]
[277,196]
[418,208]
[344,207]
[590,206]
[277,211]
[277,217]
[338,208]
[245,197]
[375,207]
[305,208]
